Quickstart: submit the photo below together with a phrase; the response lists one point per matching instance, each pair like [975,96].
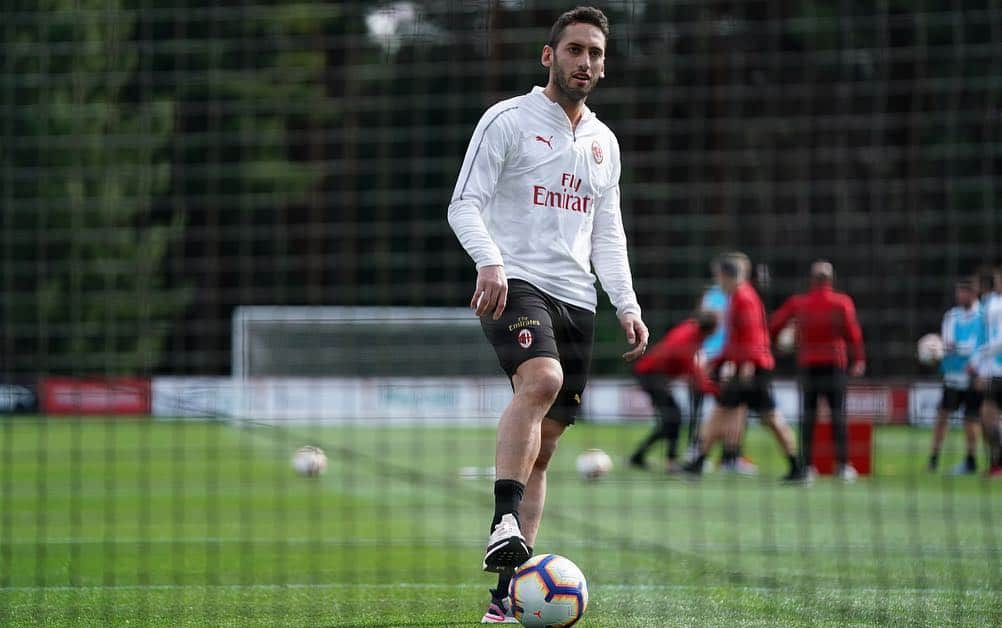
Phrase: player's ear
[547,57]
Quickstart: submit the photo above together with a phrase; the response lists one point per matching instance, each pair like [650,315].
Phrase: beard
[572,92]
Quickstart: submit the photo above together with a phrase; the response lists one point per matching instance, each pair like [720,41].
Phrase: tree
[83,160]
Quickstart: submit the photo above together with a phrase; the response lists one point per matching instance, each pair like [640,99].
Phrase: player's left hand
[636,334]
[858,369]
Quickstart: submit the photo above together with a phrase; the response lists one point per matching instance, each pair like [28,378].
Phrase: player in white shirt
[537,207]
[963,331]
[987,364]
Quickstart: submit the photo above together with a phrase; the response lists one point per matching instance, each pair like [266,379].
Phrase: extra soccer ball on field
[786,341]
[593,464]
[548,590]
[309,461]
[930,350]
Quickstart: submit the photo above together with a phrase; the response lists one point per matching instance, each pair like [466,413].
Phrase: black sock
[730,455]
[504,582]
[934,459]
[697,463]
[507,497]
[794,464]
[971,464]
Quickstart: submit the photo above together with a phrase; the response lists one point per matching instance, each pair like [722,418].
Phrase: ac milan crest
[596,152]
[524,338]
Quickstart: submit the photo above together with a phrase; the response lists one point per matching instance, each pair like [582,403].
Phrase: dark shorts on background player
[993,392]
[970,398]
[535,325]
[755,393]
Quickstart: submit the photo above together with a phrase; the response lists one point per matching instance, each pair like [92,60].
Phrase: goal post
[337,364]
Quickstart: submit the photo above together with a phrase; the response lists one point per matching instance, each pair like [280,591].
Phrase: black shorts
[535,325]
[970,398]
[756,393]
[994,391]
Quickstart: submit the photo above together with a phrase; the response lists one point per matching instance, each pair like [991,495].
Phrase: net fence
[169,169]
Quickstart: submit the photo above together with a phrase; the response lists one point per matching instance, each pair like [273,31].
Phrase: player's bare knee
[542,385]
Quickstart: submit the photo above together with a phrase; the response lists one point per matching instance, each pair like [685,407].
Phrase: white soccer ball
[548,590]
[593,464]
[309,461]
[930,349]
[786,341]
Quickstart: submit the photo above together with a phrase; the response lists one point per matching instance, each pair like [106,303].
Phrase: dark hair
[965,284]
[579,15]
[707,320]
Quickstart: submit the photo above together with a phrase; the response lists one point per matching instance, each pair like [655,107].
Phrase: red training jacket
[826,322]
[747,333]
[675,355]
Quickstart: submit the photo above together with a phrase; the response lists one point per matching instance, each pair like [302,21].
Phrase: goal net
[369,364]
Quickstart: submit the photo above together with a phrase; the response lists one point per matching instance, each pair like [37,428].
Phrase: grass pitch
[113,523]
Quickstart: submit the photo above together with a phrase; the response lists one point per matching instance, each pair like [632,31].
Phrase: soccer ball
[930,349]
[548,590]
[309,461]
[593,464]
[786,341]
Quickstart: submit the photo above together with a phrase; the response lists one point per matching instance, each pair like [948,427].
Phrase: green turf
[193,524]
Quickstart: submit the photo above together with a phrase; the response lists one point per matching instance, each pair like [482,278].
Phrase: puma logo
[540,138]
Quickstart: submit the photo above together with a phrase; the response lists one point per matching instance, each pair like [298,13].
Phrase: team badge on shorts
[596,152]
[524,338]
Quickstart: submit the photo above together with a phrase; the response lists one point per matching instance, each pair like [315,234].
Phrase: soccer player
[731,460]
[713,300]
[537,207]
[826,326]
[963,333]
[987,363]
[672,356]
[747,353]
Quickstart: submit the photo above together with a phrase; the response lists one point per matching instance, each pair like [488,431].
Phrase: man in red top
[673,356]
[826,325]
[746,365]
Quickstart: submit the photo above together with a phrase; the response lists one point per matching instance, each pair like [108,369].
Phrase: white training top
[988,358]
[542,200]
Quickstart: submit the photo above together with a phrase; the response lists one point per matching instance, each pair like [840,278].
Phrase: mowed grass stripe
[220,521]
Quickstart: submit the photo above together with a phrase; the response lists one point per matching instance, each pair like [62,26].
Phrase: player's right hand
[491,292]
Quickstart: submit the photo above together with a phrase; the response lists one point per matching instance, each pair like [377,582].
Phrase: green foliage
[84,162]
[252,105]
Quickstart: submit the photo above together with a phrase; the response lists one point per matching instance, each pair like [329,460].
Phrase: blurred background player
[731,460]
[673,356]
[713,300]
[826,326]
[963,333]
[987,363]
[746,352]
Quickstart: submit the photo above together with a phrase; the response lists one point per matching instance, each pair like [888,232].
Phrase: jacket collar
[555,111]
